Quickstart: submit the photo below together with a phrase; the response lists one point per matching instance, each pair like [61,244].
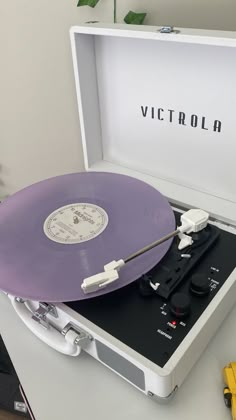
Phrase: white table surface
[63,388]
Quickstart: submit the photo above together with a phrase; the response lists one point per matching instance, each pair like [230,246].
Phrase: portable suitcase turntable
[103,261]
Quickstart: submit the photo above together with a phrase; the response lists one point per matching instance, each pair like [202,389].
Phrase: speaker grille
[120,365]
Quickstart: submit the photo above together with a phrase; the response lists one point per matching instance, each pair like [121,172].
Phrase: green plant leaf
[91,3]
[135,18]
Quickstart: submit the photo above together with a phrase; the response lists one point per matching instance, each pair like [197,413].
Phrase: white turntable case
[159,107]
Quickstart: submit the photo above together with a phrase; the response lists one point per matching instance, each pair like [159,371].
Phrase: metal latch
[83,338]
[163,400]
[167,30]
[40,315]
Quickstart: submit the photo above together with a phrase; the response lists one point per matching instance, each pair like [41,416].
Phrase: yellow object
[229,373]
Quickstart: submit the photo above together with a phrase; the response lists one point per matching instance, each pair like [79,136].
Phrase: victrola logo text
[181,118]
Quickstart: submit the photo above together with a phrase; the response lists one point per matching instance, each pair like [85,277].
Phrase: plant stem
[114,11]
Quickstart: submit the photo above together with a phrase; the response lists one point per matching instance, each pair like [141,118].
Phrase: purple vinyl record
[59,231]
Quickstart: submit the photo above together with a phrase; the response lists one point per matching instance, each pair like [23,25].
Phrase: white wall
[39,127]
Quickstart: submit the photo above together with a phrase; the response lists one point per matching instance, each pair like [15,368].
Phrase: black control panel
[155,322]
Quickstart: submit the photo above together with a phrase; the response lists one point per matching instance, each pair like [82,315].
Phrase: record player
[133,260]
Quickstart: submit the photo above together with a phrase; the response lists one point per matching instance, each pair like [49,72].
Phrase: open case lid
[160,107]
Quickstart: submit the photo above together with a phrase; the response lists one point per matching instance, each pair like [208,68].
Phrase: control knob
[180,305]
[199,284]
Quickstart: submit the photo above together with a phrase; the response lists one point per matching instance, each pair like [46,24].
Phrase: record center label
[75,223]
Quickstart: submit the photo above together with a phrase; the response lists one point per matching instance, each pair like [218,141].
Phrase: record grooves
[53,235]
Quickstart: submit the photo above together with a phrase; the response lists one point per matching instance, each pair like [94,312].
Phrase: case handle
[52,337]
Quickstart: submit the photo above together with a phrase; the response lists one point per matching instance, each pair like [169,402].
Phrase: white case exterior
[122,73]
[160,383]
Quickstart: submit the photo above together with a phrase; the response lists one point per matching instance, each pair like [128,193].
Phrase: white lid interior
[126,79]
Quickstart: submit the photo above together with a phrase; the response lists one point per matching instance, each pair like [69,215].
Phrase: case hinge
[168,30]
[83,338]
[40,315]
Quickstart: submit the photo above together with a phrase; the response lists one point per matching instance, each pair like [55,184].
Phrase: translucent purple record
[57,232]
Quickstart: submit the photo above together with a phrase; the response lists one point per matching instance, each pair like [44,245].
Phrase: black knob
[180,305]
[199,284]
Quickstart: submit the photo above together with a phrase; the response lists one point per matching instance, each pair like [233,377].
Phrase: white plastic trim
[186,35]
[52,337]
